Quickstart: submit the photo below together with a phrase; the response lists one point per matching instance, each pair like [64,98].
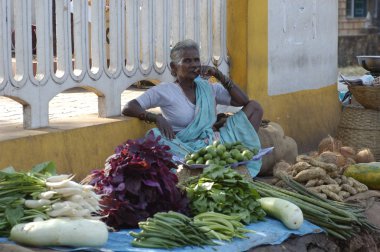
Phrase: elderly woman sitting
[188,107]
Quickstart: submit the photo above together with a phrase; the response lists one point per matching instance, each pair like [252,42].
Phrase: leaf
[207,186]
[48,167]
[9,169]
[218,196]
[14,214]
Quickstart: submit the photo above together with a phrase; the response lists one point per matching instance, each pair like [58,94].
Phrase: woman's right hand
[165,127]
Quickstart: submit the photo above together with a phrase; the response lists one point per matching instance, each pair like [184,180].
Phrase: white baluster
[175,23]
[63,42]
[223,37]
[131,37]
[96,51]
[159,34]
[205,37]
[4,55]
[217,51]
[114,68]
[43,18]
[146,38]
[189,20]
[80,23]
[22,29]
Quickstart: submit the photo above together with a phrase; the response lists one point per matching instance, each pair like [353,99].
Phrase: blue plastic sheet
[270,232]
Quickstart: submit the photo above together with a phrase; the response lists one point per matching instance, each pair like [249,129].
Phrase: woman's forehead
[190,53]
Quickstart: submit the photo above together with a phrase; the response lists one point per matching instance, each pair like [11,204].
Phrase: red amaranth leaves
[137,182]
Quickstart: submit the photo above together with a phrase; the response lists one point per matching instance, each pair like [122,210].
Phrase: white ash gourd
[287,212]
[61,232]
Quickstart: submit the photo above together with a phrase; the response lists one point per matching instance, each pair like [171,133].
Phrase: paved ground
[68,104]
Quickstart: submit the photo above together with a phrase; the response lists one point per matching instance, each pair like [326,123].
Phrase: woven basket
[367,96]
[360,128]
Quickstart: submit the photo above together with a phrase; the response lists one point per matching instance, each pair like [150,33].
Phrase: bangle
[147,117]
[224,80]
[228,84]
[220,76]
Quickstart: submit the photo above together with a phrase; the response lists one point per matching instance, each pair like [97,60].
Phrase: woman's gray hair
[177,50]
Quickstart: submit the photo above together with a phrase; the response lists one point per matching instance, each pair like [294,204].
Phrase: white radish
[66,192]
[88,206]
[61,232]
[88,187]
[63,204]
[46,195]
[59,178]
[76,198]
[60,212]
[64,184]
[93,202]
[36,203]
[81,213]
[58,205]
[38,218]
[287,212]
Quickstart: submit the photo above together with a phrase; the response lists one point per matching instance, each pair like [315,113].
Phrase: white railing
[103,46]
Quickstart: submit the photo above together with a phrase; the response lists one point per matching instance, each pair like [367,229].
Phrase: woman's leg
[254,113]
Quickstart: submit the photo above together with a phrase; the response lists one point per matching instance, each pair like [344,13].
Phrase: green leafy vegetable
[15,187]
[223,190]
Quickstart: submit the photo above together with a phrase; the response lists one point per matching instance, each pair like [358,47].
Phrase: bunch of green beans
[169,230]
[221,226]
[340,220]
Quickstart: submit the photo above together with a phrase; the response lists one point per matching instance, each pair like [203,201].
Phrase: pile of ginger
[322,171]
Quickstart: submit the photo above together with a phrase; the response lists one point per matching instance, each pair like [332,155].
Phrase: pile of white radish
[67,198]
[72,216]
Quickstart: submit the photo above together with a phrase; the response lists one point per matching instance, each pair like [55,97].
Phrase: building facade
[358,25]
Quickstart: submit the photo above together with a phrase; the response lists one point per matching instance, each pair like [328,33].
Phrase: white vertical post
[43,16]
[145,28]
[22,27]
[62,41]
[159,34]
[3,44]
[130,33]
[96,48]
[80,21]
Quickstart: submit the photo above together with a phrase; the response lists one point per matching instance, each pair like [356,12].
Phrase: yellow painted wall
[307,116]
[75,151]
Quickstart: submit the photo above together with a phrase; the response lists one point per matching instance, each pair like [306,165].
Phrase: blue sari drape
[199,133]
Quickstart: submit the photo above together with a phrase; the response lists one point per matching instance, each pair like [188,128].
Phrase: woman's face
[189,65]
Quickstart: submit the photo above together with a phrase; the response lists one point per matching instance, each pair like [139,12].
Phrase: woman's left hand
[207,72]
[165,127]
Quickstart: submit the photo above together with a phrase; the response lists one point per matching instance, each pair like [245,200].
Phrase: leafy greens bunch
[15,188]
[137,182]
[225,191]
